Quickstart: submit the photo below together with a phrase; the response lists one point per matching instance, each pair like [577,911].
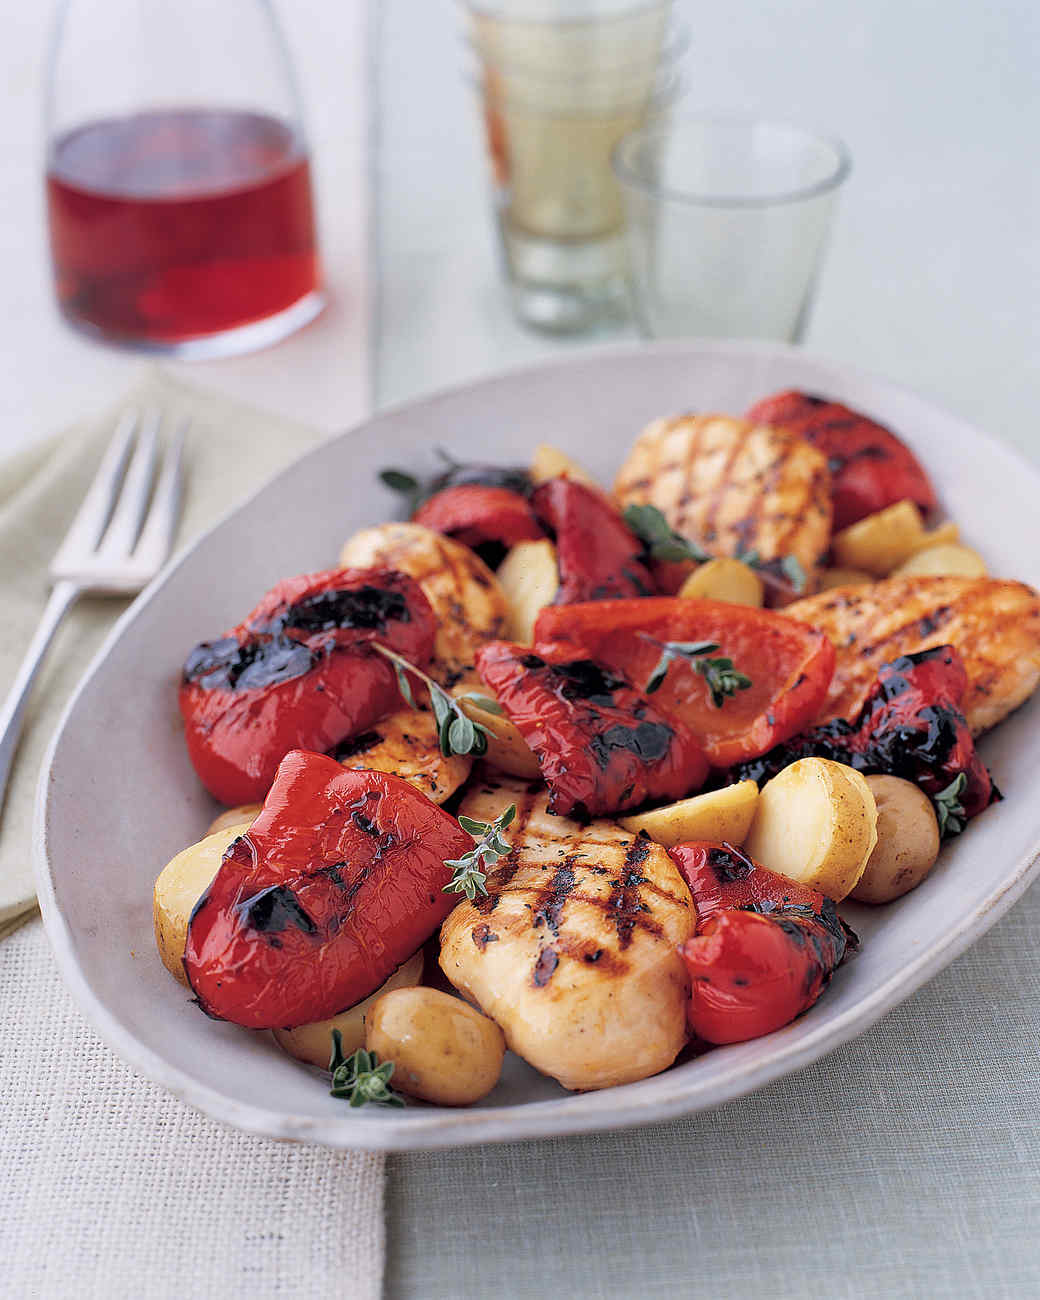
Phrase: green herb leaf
[948,806]
[469,876]
[361,1078]
[456,733]
[398,481]
[484,702]
[660,539]
[722,678]
[404,685]
[793,571]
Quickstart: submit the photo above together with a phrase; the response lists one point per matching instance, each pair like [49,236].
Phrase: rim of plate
[610,1108]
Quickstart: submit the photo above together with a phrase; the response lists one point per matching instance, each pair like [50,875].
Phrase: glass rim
[486,9]
[676,43]
[634,180]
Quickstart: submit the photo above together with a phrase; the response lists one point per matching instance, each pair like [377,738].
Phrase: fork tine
[157,535]
[86,529]
[125,525]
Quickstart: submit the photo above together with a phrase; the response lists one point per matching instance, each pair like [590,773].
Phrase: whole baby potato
[907,844]
[443,1050]
[313,1043]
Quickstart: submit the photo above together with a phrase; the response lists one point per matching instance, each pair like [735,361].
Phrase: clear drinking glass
[728,221]
[178,176]
[561,82]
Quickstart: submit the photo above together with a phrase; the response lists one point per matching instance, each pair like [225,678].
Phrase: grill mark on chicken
[923,627]
[625,908]
[555,895]
[734,453]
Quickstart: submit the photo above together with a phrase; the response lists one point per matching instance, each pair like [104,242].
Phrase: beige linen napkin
[230,450]
[109,1180]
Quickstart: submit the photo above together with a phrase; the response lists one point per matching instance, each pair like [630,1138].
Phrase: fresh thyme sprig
[456,733]
[948,806]
[361,1078]
[665,544]
[469,875]
[722,678]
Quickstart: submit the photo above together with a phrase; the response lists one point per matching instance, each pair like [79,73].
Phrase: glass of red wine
[178,176]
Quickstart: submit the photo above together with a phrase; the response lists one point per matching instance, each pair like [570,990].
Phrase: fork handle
[62,597]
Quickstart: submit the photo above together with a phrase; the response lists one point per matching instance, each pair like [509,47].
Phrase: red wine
[172,224]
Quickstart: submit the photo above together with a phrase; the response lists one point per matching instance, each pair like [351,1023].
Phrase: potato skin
[313,1043]
[816,822]
[245,813]
[180,885]
[507,750]
[880,542]
[907,845]
[945,560]
[723,815]
[444,1051]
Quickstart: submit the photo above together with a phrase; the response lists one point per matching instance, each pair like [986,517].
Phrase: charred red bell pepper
[870,467]
[601,744]
[477,515]
[298,673]
[598,555]
[790,664]
[910,726]
[337,882]
[764,949]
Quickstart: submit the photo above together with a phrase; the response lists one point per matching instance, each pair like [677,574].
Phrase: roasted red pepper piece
[870,467]
[598,555]
[764,949]
[337,882]
[476,515]
[298,673]
[790,664]
[601,744]
[910,726]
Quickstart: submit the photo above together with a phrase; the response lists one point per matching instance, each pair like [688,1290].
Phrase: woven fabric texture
[231,449]
[113,1189]
[904,1166]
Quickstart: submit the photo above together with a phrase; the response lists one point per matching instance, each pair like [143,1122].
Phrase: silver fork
[116,544]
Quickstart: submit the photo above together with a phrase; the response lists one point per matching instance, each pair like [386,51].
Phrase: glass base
[566,287]
[207,347]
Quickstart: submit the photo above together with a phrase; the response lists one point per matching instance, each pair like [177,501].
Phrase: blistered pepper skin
[910,726]
[790,664]
[299,673]
[870,467]
[476,515]
[598,555]
[764,949]
[337,882]
[602,745]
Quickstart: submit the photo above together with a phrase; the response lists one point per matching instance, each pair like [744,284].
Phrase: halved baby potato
[880,541]
[507,750]
[530,579]
[815,822]
[946,561]
[245,812]
[180,885]
[549,462]
[718,815]
[726,579]
[313,1043]
[844,578]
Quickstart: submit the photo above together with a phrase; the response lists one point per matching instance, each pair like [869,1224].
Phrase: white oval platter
[118,798]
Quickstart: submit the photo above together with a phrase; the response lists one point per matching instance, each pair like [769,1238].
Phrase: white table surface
[922,1135]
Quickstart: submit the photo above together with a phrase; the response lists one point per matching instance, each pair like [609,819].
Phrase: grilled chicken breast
[733,486]
[574,950]
[405,743]
[464,593]
[994,625]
